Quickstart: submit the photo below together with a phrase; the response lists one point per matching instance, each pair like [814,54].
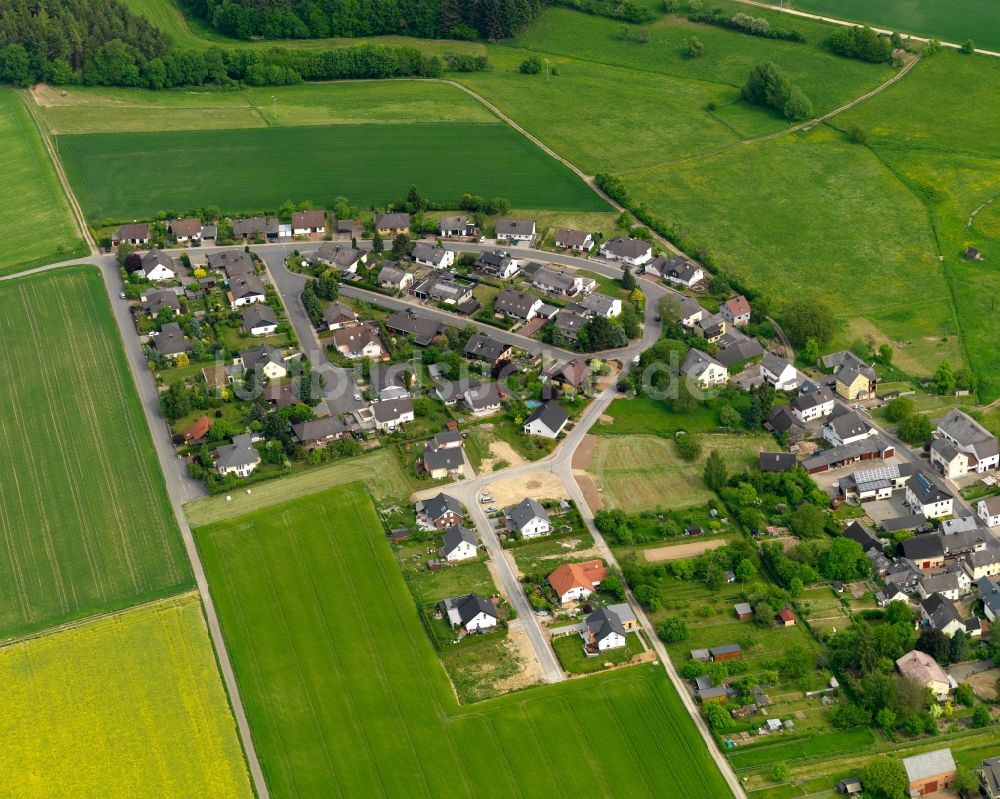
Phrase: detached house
[925,671]
[337,316]
[171,341]
[970,437]
[158,266]
[472,613]
[392,225]
[239,458]
[948,459]
[528,518]
[847,428]
[703,369]
[264,359]
[309,223]
[559,281]
[136,234]
[676,270]
[460,543]
[546,420]
[736,311]
[812,405]
[439,462]
[515,229]
[941,614]
[440,511]
[575,581]
[390,414]
[988,510]
[602,630]
[483,399]
[601,305]
[570,239]
[234,263]
[156,301]
[497,264]
[319,432]
[345,259]
[184,230]
[244,290]
[451,226]
[924,497]
[856,380]
[433,256]
[392,277]
[778,372]
[260,320]
[634,252]
[410,323]
[517,304]
[252,228]
[483,348]
[985,563]
[989,595]
[357,342]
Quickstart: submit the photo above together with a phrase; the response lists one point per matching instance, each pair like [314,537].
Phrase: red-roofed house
[736,311]
[197,431]
[573,581]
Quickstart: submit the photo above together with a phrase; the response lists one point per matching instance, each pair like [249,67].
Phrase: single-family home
[989,770]
[517,304]
[393,224]
[394,278]
[184,230]
[737,348]
[308,223]
[234,263]
[155,301]
[460,543]
[676,270]
[547,420]
[390,414]
[688,311]
[847,428]
[483,348]
[496,264]
[736,311]
[260,320]
[710,327]
[890,593]
[252,228]
[171,341]
[983,564]
[239,458]
[360,341]
[949,584]
[440,511]
[575,581]
[528,518]
[779,373]
[574,374]
[988,510]
[439,462]
[855,379]
[602,630]
[244,290]
[135,234]
[432,255]
[929,772]
[319,432]
[410,323]
[634,252]
[472,613]
[484,398]
[342,257]
[390,381]
[451,226]
[703,369]
[560,281]
[569,323]
[970,437]
[515,229]
[158,266]
[989,595]
[337,316]
[776,461]
[924,496]
[925,671]
[601,305]
[264,359]
[445,287]
[571,239]
[197,430]
[813,405]
[941,614]
[948,459]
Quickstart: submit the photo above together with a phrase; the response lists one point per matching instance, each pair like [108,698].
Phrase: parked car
[493,509]
[486,500]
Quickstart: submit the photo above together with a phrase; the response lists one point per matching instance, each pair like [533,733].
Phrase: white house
[158,266]
[970,437]
[517,304]
[704,369]
[497,264]
[736,311]
[601,631]
[948,459]
[675,270]
[988,510]
[459,544]
[813,405]
[306,223]
[433,256]
[239,458]
[779,373]
[515,229]
[634,252]
[847,429]
[360,341]
[601,305]
[546,420]
[259,319]
[244,290]
[989,593]
[571,239]
[337,315]
[923,496]
[528,518]
[576,581]
[473,613]
[390,414]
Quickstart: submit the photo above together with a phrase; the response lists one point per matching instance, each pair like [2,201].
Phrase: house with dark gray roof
[239,458]
[260,319]
[572,239]
[847,428]
[569,323]
[244,290]
[135,234]
[314,433]
[439,462]
[472,613]
[155,301]
[233,263]
[440,511]
[547,420]
[265,359]
[737,348]
[778,372]
[484,398]
[601,305]
[970,437]
[776,461]
[602,630]
[392,277]
[409,322]
[392,224]
[460,543]
[171,341]
[433,256]
[496,264]
[924,496]
[528,518]
[342,257]
[456,226]
[634,252]
[517,304]
[675,270]
[812,405]
[704,369]
[158,266]
[390,414]
[338,315]
[483,348]
[782,422]
[989,770]
[515,229]
[251,228]
[941,614]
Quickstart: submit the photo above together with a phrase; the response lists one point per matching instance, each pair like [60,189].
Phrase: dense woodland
[310,19]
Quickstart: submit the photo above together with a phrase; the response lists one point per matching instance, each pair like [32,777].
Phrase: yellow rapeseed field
[129,705]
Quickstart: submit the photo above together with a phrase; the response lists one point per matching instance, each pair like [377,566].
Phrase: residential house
[736,311]
[602,630]
[390,414]
[737,348]
[517,304]
[784,425]
[989,595]
[483,399]
[601,305]
[988,510]
[676,270]
[847,428]
[155,301]
[891,593]
[158,266]
[776,461]
[453,226]
[710,327]
[573,374]
[923,496]
[390,381]
[252,228]
[575,581]
[813,405]
[924,551]
[498,265]
[879,483]
[948,459]
[264,359]
[308,223]
[989,770]
[949,584]
[472,613]
[460,543]
[239,458]
[451,392]
[528,518]
[483,348]
[569,323]
[779,373]
[855,531]
[439,462]
[983,564]
[360,341]
[704,369]
[515,229]
[925,671]
[546,420]
[136,234]
[634,252]
[171,341]
[394,278]
[185,230]
[234,263]
[571,239]
[970,437]
[855,379]
[260,319]
[392,225]
[337,316]
[929,772]
[319,432]
[440,511]
[432,255]
[281,395]
[410,323]
[245,290]
[444,287]
[941,614]
[198,430]
[559,281]
[344,258]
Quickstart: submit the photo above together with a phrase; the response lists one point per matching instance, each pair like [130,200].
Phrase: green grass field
[369,164]
[84,515]
[315,611]
[123,706]
[36,225]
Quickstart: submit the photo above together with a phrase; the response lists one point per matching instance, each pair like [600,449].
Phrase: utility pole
[546,70]
[274,107]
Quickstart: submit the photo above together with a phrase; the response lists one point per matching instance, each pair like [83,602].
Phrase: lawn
[569,650]
[123,706]
[84,512]
[370,164]
[36,225]
[315,611]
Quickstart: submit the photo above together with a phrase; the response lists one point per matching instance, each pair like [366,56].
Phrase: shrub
[532,65]
[672,630]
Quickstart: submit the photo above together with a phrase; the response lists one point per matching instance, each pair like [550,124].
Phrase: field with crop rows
[84,516]
[123,706]
[316,611]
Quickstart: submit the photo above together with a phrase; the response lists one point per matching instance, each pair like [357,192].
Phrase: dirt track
[682,551]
